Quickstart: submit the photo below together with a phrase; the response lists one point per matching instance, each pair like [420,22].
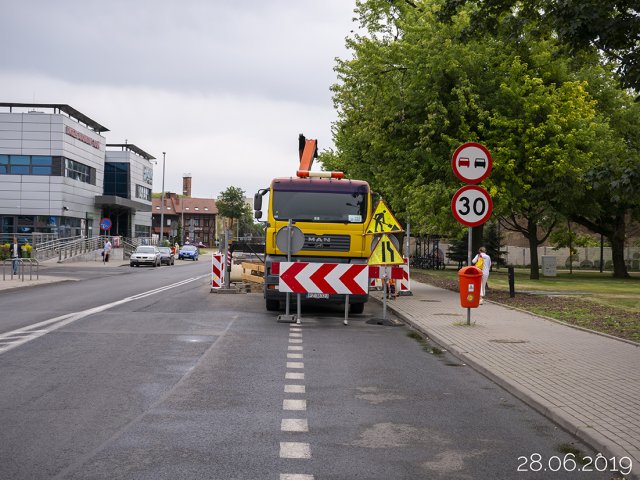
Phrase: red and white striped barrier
[381,271]
[217,270]
[332,278]
[405,282]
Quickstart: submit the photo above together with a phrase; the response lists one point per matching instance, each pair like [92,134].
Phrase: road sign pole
[227,277]
[288,299]
[346,310]
[469,248]
[384,296]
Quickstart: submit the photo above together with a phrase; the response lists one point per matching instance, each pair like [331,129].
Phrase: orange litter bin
[470,279]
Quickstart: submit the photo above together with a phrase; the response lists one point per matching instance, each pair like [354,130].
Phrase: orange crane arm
[308,151]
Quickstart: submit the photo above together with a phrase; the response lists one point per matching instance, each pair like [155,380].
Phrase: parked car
[145,255]
[167,256]
[188,251]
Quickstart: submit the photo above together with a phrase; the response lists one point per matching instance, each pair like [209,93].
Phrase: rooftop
[58,108]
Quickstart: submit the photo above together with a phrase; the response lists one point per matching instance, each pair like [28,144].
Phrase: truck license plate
[318,295]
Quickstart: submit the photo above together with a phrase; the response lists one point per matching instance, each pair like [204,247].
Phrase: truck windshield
[337,207]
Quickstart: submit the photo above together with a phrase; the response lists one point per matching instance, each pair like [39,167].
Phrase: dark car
[166,256]
[188,251]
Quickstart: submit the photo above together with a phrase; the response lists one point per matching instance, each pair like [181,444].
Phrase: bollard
[512,280]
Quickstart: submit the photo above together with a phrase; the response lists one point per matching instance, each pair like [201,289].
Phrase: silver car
[145,255]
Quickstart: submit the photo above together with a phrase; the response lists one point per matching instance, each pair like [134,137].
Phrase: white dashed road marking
[290,404]
[295,426]
[294,389]
[295,450]
[295,476]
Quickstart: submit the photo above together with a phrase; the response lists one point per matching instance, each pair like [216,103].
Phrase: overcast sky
[223,87]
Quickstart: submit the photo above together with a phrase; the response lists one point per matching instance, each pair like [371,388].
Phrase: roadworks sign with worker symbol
[383,221]
[385,253]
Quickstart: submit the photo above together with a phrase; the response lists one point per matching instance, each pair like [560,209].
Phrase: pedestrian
[391,289]
[483,262]
[15,255]
[106,251]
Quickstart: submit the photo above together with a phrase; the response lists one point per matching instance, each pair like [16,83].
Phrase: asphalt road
[180,383]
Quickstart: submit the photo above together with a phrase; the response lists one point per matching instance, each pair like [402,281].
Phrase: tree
[459,250]
[611,27]
[493,243]
[611,197]
[248,227]
[231,204]
[413,92]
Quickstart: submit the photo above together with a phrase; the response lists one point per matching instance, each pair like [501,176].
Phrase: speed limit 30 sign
[471,205]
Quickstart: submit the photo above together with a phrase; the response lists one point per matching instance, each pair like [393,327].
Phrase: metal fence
[30,265]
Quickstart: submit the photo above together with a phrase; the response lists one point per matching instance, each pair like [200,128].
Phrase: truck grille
[327,243]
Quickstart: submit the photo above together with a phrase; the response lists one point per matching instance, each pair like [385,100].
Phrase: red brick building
[196,215]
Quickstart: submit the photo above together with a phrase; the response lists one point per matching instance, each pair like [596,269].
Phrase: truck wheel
[357,308]
[272,305]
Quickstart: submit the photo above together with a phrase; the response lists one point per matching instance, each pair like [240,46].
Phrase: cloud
[222,87]
[276,49]
[221,140]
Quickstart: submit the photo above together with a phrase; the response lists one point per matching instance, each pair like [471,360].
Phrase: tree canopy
[231,204]
[611,27]
[418,86]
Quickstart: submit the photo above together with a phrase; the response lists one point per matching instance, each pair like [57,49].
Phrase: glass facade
[116,179]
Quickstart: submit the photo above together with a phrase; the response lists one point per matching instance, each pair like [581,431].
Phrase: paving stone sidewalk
[586,382]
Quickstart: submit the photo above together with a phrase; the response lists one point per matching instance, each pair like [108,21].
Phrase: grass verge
[584,299]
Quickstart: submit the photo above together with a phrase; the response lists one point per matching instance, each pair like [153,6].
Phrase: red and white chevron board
[217,270]
[332,278]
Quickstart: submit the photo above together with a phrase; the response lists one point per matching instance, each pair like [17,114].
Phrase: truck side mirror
[258,214]
[257,202]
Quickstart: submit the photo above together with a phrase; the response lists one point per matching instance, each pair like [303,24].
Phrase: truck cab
[332,213]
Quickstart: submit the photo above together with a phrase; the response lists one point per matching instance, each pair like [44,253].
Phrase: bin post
[512,280]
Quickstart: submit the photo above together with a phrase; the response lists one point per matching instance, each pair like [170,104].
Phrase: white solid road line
[31,332]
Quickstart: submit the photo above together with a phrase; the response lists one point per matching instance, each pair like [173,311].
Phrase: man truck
[332,212]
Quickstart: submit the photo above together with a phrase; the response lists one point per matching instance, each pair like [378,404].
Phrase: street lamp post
[162,202]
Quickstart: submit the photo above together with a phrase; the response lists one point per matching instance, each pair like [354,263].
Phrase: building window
[77,171]
[116,179]
[26,164]
[142,231]
[143,192]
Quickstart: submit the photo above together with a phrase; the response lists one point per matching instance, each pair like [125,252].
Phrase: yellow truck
[332,212]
